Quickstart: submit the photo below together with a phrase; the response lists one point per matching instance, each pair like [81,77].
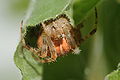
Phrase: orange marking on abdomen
[65,45]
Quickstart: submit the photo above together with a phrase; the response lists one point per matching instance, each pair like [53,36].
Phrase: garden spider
[54,37]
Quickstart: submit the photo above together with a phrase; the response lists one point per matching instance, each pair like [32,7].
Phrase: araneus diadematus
[53,38]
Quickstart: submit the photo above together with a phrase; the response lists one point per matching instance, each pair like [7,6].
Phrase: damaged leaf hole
[53,38]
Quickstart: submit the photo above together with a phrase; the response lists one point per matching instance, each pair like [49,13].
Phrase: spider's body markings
[57,37]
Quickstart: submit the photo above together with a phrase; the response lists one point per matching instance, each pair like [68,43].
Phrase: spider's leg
[80,25]
[39,58]
[21,29]
[96,16]
[44,46]
[33,50]
[46,60]
[21,34]
[52,49]
[89,35]
[73,43]
[69,38]
[93,30]
[47,47]
[43,60]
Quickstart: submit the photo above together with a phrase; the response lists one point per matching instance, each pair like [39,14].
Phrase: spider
[54,38]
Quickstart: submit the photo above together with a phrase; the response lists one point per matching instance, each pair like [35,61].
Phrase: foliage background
[100,54]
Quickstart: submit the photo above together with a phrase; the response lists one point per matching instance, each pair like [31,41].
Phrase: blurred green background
[100,54]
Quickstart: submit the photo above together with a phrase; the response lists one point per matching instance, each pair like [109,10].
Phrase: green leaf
[70,67]
[46,9]
[115,75]
[31,70]
[81,8]
[109,12]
